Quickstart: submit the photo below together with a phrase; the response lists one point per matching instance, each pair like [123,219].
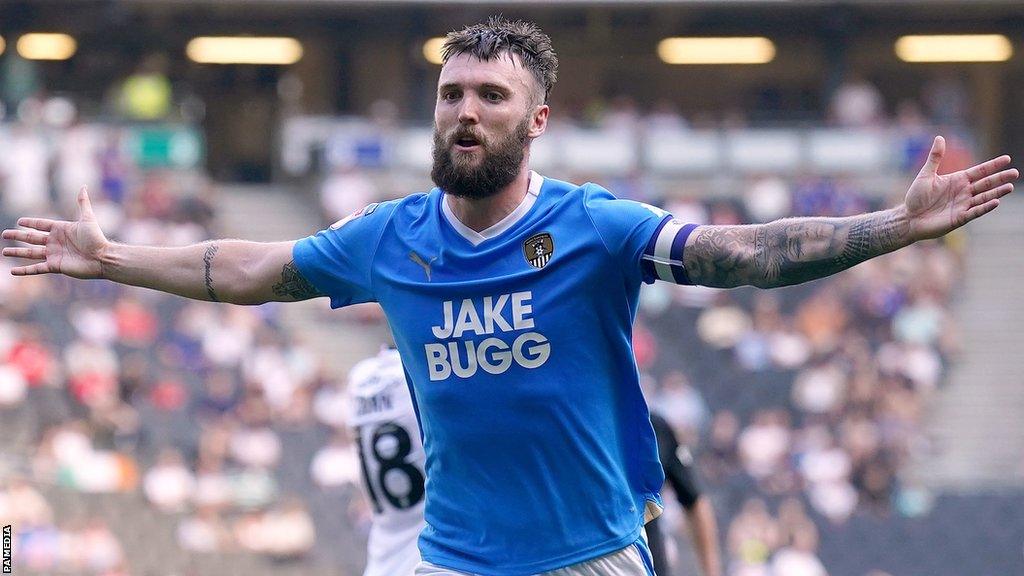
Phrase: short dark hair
[499,36]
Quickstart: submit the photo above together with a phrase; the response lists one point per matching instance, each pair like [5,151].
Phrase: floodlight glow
[954,48]
[432,50]
[723,50]
[40,46]
[244,50]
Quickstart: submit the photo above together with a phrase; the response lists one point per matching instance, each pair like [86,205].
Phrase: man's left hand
[937,204]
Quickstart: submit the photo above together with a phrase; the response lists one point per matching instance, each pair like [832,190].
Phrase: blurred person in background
[751,538]
[346,190]
[567,261]
[857,103]
[169,485]
[383,422]
[678,465]
[24,171]
[289,530]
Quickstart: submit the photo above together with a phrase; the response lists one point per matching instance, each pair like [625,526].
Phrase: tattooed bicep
[294,285]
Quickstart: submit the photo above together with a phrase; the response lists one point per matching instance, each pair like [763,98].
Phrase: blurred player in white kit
[384,425]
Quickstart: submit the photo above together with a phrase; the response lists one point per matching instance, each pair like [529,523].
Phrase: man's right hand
[72,248]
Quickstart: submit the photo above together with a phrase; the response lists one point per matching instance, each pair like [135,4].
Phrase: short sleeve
[646,239]
[338,260]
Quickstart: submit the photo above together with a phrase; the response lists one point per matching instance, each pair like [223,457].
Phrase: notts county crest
[538,249]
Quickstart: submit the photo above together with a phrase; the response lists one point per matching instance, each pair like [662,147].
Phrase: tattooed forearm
[211,251]
[721,256]
[790,251]
[294,285]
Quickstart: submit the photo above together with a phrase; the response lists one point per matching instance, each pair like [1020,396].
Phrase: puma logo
[425,265]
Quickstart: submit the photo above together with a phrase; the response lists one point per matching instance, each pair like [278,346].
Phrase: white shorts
[629,561]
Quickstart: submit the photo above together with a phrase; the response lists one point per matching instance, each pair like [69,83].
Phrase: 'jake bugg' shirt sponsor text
[495,317]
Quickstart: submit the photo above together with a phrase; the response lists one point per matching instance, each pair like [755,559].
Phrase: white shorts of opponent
[629,561]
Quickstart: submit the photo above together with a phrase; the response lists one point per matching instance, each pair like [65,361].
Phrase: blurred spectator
[722,460]
[764,444]
[169,485]
[330,405]
[767,198]
[31,357]
[137,325]
[754,348]
[799,559]
[100,548]
[857,103]
[820,389]
[682,406]
[722,326]
[23,505]
[257,447]
[793,519]
[66,455]
[253,488]
[947,100]
[622,115]
[751,537]
[821,319]
[917,135]
[665,115]
[92,372]
[13,387]
[337,464]
[826,471]
[826,196]
[346,190]
[285,532]
[213,486]
[113,167]
[204,532]
[289,530]
[78,152]
[24,171]
[219,397]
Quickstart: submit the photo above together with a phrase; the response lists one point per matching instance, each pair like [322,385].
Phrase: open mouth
[466,143]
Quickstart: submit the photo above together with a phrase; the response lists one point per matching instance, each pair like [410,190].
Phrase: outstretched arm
[233,271]
[795,250]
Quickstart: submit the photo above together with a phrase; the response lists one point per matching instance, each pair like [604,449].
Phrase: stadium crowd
[802,405]
[807,401]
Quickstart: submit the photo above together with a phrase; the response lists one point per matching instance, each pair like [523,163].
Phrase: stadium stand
[144,434]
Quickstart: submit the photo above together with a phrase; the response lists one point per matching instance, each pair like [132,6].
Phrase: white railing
[663,151]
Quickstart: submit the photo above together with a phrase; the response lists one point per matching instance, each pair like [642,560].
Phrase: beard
[456,174]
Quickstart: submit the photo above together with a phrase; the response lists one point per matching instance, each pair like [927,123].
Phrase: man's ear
[538,120]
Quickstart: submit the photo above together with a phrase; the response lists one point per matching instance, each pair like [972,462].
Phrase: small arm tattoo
[211,251]
[789,251]
[294,285]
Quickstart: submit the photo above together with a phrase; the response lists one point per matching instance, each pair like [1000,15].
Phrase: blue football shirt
[517,344]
